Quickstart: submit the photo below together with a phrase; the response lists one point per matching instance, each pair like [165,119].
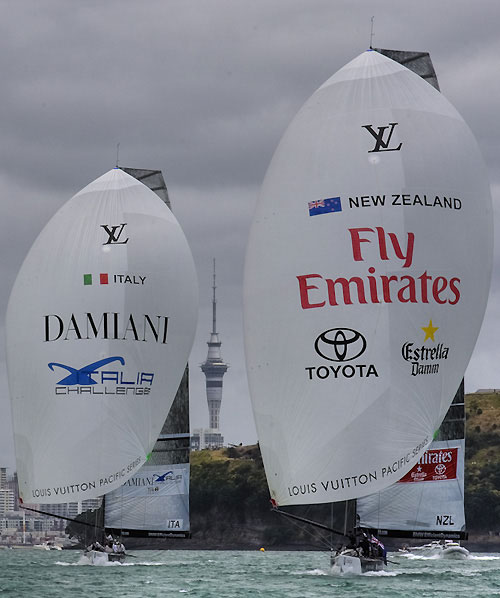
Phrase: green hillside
[482,462]
[230,505]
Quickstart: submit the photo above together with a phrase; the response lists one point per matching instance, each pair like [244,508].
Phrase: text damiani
[108,325]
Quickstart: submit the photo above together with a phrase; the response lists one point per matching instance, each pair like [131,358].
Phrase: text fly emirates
[378,288]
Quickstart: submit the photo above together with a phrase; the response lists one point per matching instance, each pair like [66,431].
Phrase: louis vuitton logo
[114,234]
[382,138]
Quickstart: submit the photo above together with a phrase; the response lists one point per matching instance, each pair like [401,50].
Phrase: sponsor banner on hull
[435,465]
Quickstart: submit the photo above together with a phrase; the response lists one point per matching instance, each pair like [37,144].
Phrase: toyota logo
[440,469]
[340,344]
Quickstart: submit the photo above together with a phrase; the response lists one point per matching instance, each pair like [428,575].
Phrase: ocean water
[30,573]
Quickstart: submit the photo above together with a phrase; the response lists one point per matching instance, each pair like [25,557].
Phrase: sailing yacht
[104,311]
[352,345]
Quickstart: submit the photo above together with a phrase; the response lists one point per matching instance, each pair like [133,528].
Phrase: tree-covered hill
[230,504]
[482,462]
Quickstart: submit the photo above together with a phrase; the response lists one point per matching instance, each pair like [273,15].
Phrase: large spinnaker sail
[428,502]
[100,324]
[366,280]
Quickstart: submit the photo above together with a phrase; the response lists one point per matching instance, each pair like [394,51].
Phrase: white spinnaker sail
[366,280]
[100,324]
[428,500]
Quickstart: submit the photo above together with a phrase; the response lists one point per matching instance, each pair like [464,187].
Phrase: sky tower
[214,369]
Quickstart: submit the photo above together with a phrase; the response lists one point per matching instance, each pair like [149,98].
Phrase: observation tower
[214,369]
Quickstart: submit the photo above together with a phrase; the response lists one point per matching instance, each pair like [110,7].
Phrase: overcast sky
[204,90]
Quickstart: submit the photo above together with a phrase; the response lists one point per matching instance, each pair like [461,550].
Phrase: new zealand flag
[325,206]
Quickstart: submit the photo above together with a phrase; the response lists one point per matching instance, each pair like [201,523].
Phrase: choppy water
[29,573]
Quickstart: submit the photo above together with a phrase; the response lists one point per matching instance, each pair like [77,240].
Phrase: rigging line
[309,521]
[58,516]
[302,520]
[321,539]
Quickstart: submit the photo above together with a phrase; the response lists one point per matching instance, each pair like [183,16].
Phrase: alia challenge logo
[425,359]
[97,379]
[340,345]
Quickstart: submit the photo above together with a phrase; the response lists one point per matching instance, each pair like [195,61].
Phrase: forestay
[366,280]
[100,324]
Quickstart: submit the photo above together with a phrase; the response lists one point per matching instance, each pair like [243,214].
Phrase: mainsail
[361,322]
[154,503]
[418,62]
[100,324]
[428,502]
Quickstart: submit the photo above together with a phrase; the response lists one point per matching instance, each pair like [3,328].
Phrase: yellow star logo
[429,331]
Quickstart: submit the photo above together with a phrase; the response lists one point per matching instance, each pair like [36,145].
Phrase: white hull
[46,546]
[455,552]
[348,562]
[97,557]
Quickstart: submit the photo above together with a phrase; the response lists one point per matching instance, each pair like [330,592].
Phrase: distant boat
[360,323]
[47,546]
[100,324]
[448,549]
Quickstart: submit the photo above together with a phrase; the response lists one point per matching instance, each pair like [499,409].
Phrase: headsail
[360,323]
[100,324]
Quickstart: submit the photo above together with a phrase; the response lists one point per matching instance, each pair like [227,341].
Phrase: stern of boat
[350,563]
